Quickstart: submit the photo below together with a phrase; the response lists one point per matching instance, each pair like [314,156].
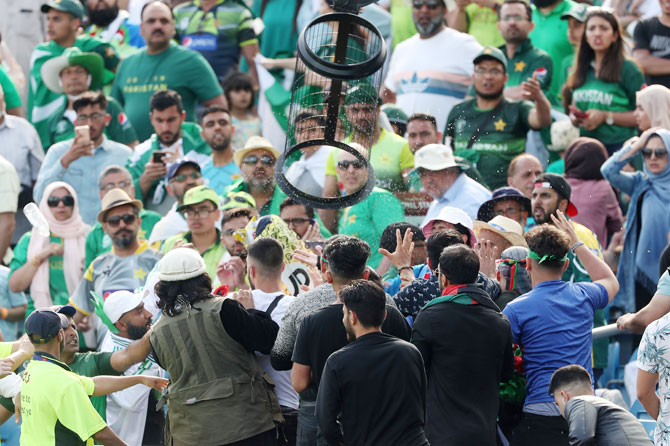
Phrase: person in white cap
[207,344]
[443,179]
[131,413]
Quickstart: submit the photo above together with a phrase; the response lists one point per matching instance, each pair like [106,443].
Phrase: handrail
[606,331]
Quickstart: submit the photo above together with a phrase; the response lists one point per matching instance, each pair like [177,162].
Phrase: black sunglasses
[128,219]
[267,160]
[344,165]
[68,201]
[432,4]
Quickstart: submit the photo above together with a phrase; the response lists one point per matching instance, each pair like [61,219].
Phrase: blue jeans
[308,430]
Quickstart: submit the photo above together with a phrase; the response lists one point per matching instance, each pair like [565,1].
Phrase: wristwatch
[610,118]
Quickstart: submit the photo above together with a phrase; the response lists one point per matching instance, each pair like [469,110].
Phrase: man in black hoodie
[466,344]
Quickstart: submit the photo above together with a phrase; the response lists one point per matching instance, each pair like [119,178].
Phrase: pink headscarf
[73,231]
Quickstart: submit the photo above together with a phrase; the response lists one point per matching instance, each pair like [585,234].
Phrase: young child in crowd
[242,103]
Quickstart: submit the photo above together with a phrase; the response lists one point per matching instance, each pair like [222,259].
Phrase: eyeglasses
[181,178]
[658,153]
[252,160]
[127,219]
[200,213]
[344,165]
[511,212]
[68,201]
[92,117]
[119,185]
[297,221]
[513,18]
[494,72]
[432,4]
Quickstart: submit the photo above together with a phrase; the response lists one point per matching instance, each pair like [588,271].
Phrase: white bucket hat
[435,157]
[505,227]
[181,264]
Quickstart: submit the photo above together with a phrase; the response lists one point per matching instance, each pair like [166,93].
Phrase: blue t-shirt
[218,178]
[11,331]
[420,271]
[553,324]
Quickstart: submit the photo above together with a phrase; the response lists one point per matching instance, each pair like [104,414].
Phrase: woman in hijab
[653,107]
[591,193]
[50,268]
[648,218]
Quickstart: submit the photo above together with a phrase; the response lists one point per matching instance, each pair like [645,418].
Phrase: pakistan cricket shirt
[503,138]
[527,59]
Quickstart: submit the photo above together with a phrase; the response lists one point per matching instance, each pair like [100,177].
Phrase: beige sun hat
[503,226]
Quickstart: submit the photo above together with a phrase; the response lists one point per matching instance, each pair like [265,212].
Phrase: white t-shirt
[309,174]
[432,75]
[282,379]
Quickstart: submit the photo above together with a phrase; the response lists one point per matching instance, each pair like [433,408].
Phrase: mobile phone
[579,114]
[157,157]
[83,134]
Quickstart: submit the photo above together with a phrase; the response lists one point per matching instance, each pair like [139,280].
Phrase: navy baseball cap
[174,167]
[485,212]
[67,310]
[43,325]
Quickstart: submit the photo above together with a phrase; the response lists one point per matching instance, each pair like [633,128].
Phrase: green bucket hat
[73,56]
[491,53]
[199,194]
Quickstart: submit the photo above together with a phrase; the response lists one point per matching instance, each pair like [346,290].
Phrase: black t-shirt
[650,34]
[322,333]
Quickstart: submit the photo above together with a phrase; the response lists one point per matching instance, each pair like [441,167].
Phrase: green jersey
[401,21]
[97,242]
[119,128]
[527,59]
[503,138]
[368,219]
[177,68]
[550,35]
[57,285]
[280,36]
[271,207]
[42,102]
[610,96]
[12,97]
[483,25]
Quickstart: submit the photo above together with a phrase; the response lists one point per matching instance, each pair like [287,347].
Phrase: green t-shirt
[557,167]
[610,96]
[279,37]
[177,68]
[483,25]
[57,285]
[55,408]
[211,256]
[271,207]
[42,101]
[503,138]
[550,35]
[389,157]
[402,21]
[119,128]
[12,97]
[368,219]
[527,59]
[97,242]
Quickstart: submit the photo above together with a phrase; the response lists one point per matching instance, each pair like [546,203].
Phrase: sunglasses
[252,160]
[120,185]
[128,219]
[236,199]
[68,201]
[658,153]
[432,4]
[344,165]
[181,178]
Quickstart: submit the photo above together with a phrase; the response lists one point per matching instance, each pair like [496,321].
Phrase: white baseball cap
[181,264]
[119,303]
[435,157]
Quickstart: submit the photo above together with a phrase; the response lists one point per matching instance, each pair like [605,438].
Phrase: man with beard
[217,131]
[112,25]
[80,161]
[125,267]
[72,74]
[257,163]
[172,140]
[490,130]
[376,385]
[183,175]
[116,177]
[232,270]
[64,18]
[163,64]
[131,413]
[522,58]
[90,363]
[417,81]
